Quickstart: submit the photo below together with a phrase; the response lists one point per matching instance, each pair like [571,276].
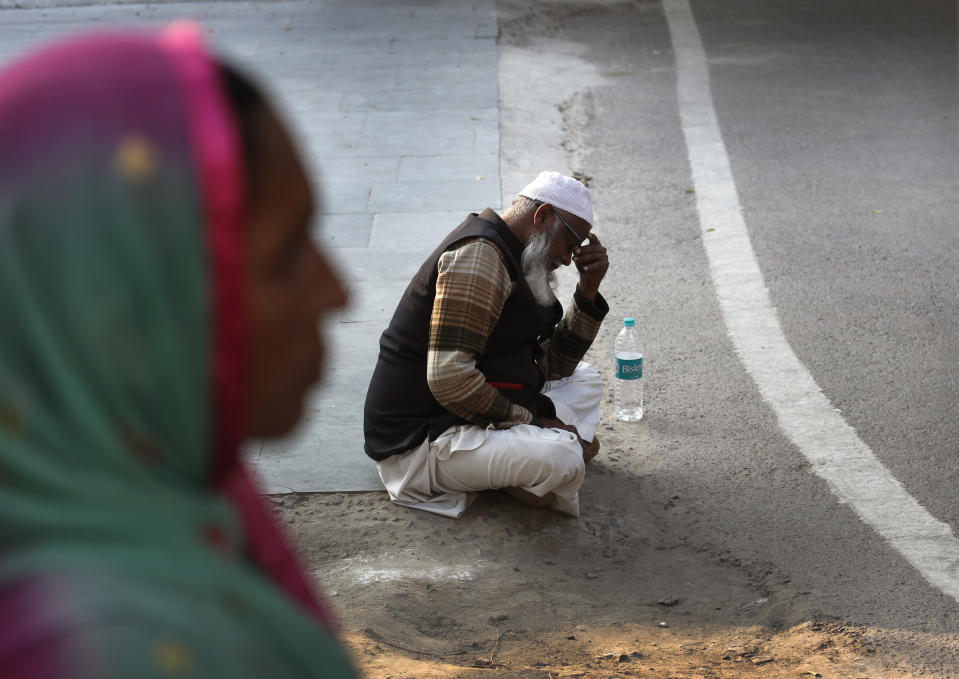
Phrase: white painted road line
[833,448]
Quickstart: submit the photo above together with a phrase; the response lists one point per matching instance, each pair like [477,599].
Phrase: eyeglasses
[579,241]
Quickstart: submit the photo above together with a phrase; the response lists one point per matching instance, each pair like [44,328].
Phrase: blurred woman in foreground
[159,302]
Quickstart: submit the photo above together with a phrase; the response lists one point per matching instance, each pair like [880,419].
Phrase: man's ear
[541,218]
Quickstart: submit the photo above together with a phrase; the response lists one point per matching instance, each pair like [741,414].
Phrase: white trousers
[443,476]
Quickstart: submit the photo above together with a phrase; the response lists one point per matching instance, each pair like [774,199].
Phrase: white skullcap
[563,192]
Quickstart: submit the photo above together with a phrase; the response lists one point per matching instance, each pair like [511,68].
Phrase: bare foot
[590,449]
[528,498]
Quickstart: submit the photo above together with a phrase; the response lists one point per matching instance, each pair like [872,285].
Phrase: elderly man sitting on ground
[480,382]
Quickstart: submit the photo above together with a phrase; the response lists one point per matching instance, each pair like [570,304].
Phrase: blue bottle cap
[629,322]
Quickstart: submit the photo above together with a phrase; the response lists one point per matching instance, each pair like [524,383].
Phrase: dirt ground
[624,591]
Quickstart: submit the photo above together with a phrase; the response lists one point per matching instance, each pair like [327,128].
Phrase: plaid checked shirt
[472,286]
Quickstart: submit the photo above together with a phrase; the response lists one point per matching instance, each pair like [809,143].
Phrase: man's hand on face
[592,263]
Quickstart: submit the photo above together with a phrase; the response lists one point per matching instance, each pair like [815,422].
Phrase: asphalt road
[841,122]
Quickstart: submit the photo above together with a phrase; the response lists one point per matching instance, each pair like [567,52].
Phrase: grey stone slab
[348,18]
[434,196]
[322,75]
[406,140]
[277,48]
[413,229]
[487,142]
[319,146]
[326,450]
[430,50]
[489,115]
[352,348]
[327,47]
[465,26]
[372,302]
[391,25]
[307,94]
[324,122]
[413,95]
[487,30]
[446,53]
[462,120]
[325,453]
[344,197]
[344,230]
[359,168]
[451,69]
[477,77]
[380,264]
[462,167]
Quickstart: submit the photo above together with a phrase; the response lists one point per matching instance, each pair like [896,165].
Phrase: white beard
[536,269]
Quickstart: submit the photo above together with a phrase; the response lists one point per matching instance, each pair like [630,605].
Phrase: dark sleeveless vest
[400,411]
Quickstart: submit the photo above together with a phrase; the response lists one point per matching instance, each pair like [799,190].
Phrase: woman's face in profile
[290,286]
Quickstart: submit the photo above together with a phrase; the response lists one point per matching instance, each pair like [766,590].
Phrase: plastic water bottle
[628,391]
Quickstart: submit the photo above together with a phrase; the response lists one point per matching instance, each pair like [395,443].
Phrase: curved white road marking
[836,452]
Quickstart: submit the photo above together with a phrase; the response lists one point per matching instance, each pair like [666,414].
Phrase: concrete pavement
[396,108]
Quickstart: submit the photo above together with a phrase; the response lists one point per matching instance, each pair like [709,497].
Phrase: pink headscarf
[123,375]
